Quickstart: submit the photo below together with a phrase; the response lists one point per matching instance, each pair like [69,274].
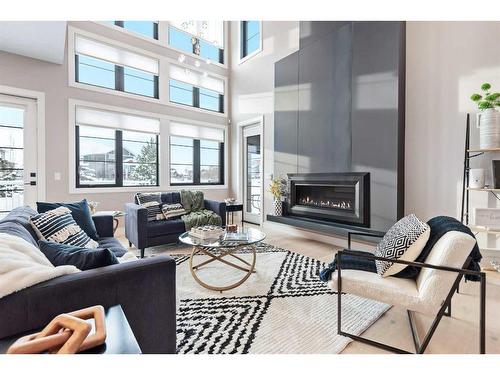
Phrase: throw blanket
[439,225]
[192,201]
[22,265]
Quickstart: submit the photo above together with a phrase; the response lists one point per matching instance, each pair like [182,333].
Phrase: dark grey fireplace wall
[339,107]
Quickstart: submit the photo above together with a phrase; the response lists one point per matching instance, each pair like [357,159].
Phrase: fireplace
[338,197]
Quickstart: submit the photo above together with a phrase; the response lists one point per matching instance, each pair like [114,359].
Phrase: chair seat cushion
[391,290]
[164,227]
[113,245]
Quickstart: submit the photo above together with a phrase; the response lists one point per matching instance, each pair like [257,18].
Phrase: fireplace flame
[344,205]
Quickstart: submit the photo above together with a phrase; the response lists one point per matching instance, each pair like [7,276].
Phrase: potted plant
[488,120]
[277,188]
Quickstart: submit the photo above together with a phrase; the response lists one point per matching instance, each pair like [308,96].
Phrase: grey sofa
[144,288]
[145,234]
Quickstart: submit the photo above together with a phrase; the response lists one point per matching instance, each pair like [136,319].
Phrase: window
[250,38]
[102,65]
[202,38]
[195,89]
[196,155]
[115,149]
[144,28]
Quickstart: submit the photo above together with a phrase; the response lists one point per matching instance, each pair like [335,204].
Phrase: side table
[232,208]
[115,214]
[119,339]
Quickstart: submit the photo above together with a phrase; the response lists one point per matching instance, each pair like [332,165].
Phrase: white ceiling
[43,40]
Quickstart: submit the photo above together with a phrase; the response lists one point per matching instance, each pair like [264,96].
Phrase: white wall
[252,91]
[446,62]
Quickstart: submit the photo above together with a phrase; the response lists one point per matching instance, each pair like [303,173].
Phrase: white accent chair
[430,293]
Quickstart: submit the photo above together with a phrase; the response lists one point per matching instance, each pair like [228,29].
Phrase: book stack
[206,232]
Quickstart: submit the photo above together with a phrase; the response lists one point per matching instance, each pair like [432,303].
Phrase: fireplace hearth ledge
[324,227]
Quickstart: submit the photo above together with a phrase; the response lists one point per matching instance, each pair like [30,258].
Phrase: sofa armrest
[218,207]
[144,288]
[136,225]
[103,225]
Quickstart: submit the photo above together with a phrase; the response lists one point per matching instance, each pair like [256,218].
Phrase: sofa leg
[129,244]
[142,253]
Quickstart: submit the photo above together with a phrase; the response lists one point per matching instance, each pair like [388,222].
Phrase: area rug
[282,308]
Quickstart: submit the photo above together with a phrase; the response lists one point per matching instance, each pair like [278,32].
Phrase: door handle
[31,183]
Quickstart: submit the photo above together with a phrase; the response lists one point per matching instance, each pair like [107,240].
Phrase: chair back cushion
[451,250]
[173,197]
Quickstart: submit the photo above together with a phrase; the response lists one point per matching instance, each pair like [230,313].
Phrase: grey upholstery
[145,289]
[144,234]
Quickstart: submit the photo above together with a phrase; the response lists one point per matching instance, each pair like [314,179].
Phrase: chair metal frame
[445,309]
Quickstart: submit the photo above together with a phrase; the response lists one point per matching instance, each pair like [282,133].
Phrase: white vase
[488,123]
[278,207]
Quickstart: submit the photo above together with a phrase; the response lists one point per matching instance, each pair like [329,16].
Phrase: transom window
[111,152]
[106,66]
[202,38]
[250,38]
[144,28]
[195,89]
[196,155]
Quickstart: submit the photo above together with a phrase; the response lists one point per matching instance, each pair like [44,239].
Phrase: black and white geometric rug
[282,308]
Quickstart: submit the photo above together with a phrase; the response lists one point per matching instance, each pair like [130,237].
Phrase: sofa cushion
[21,216]
[84,259]
[112,244]
[174,210]
[18,230]
[58,225]
[152,202]
[161,228]
[80,212]
[171,197]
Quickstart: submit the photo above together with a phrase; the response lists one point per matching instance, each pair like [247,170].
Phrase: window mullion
[221,163]
[77,152]
[196,97]
[196,161]
[119,158]
[119,78]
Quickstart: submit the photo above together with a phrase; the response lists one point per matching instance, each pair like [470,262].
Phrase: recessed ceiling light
[197,63]
[181,58]
[209,61]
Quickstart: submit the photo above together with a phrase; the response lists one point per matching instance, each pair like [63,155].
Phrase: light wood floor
[455,334]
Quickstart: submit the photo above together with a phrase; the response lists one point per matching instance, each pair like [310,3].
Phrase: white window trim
[254,53]
[163,77]
[163,145]
[162,41]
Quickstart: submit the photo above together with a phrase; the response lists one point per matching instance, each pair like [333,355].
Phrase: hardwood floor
[455,334]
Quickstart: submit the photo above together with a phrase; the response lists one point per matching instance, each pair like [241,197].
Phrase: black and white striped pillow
[59,226]
[152,202]
[173,210]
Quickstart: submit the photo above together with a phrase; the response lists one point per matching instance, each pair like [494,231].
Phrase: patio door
[252,173]
[18,153]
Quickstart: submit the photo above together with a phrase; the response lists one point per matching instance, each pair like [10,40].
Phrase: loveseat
[144,288]
[145,234]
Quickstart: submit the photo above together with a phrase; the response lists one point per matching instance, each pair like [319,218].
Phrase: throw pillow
[173,210]
[84,259]
[80,212]
[152,202]
[404,240]
[58,225]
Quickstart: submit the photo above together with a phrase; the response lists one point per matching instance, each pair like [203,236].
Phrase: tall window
[115,150]
[202,38]
[250,38]
[196,155]
[195,89]
[102,65]
[144,28]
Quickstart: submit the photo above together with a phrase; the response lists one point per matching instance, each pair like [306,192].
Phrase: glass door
[18,153]
[252,179]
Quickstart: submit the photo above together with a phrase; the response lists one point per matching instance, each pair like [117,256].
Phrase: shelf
[475,228]
[484,189]
[484,150]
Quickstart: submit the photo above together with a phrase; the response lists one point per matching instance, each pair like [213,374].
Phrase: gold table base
[244,266]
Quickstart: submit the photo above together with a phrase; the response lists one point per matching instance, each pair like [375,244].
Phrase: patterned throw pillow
[173,210]
[59,226]
[405,240]
[152,202]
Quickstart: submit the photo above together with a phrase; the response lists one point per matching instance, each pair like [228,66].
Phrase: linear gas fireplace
[339,197]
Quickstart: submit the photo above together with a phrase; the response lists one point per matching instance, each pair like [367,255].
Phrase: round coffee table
[219,251]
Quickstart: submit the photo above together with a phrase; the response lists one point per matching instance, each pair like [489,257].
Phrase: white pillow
[405,240]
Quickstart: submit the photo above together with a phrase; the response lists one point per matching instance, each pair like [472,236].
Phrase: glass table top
[254,236]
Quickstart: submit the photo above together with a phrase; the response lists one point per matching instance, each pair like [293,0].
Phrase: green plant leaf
[493,97]
[485,104]
[485,86]
[476,97]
